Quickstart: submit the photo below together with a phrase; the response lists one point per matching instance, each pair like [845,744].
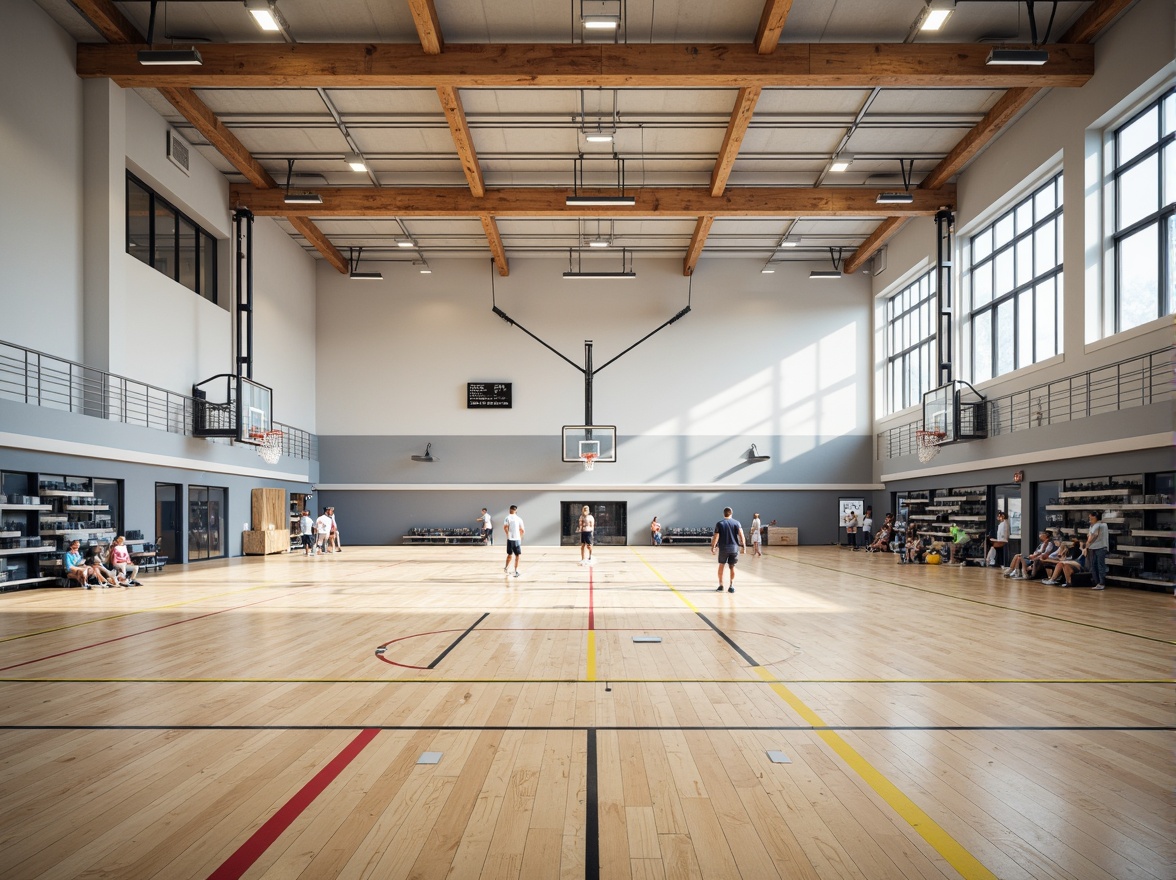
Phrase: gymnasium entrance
[612,521]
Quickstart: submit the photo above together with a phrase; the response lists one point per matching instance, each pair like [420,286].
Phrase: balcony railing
[1137,381]
[40,379]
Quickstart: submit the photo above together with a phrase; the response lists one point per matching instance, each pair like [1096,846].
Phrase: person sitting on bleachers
[881,543]
[76,568]
[121,562]
[99,574]
[1071,559]
[916,547]
[1027,566]
[959,543]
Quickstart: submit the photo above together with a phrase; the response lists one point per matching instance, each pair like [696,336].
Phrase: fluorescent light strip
[600,201]
[603,276]
[303,199]
[1014,57]
[169,57]
[366,276]
[824,273]
[895,198]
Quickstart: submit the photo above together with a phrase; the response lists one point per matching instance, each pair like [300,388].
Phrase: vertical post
[944,232]
[588,382]
[243,219]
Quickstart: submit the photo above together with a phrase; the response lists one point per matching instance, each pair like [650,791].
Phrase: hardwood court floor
[264,717]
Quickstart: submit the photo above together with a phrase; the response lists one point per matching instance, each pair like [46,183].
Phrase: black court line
[882,580]
[625,728]
[726,638]
[592,815]
[457,641]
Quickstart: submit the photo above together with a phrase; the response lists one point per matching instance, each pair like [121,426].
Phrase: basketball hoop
[269,445]
[928,444]
[589,459]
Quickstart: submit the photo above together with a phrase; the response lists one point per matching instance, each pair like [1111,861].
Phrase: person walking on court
[757,535]
[487,527]
[655,532]
[513,527]
[306,529]
[587,526]
[727,540]
[1097,542]
[322,531]
[333,540]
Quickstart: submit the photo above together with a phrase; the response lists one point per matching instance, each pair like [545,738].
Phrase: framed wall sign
[488,395]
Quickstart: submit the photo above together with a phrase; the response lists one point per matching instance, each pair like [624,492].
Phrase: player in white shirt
[513,527]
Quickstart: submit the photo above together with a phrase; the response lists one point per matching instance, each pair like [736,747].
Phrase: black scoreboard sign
[488,395]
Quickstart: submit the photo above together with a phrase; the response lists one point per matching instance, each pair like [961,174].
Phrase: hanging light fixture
[298,198]
[835,272]
[170,56]
[353,264]
[578,199]
[906,197]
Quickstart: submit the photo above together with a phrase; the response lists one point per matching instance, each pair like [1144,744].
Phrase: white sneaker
[1007,571]
[1017,576]
[1050,582]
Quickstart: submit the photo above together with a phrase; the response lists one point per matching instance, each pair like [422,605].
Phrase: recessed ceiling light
[599,243]
[599,137]
[265,15]
[356,161]
[841,162]
[405,242]
[601,22]
[938,12]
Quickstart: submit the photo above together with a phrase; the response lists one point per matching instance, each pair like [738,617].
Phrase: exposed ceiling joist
[462,139]
[676,202]
[320,242]
[424,15]
[676,65]
[697,243]
[105,18]
[490,226]
[736,130]
[771,25]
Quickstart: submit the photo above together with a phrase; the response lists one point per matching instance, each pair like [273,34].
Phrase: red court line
[145,631]
[252,849]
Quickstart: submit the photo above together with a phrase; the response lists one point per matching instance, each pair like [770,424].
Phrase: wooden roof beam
[697,242]
[771,25]
[736,129]
[677,202]
[674,65]
[462,138]
[320,241]
[490,227]
[424,16]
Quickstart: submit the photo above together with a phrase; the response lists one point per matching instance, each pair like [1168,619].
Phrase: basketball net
[270,447]
[589,459]
[928,444]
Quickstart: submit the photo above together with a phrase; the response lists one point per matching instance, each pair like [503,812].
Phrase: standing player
[513,527]
[757,534]
[587,529]
[727,539]
[322,531]
[487,527]
[306,529]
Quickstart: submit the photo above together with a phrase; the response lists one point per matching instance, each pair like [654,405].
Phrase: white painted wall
[40,184]
[757,355]
[1133,59]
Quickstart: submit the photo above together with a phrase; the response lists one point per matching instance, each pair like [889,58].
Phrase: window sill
[1024,371]
[1159,324]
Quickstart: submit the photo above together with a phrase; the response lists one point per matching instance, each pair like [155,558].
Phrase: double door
[612,521]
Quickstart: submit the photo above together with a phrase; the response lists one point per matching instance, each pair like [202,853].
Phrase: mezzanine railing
[1137,381]
[43,380]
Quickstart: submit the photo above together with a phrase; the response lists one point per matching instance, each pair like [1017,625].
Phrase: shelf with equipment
[1141,520]
[20,541]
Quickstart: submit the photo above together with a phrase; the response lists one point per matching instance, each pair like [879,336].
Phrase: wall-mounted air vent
[178,151]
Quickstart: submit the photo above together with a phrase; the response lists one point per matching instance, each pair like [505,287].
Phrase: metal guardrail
[44,380]
[1137,381]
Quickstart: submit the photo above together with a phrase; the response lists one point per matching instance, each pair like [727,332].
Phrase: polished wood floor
[265,717]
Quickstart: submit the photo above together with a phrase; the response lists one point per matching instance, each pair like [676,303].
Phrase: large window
[910,343]
[1143,199]
[1013,276]
[163,238]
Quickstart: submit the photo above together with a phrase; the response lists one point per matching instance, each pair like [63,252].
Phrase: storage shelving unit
[1140,518]
[20,541]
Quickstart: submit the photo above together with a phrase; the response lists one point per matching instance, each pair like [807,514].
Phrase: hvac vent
[178,151]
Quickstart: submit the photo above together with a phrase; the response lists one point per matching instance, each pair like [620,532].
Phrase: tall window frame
[1013,281]
[166,239]
[911,316]
[1141,188]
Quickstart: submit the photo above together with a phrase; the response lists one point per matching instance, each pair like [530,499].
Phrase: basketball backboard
[939,411]
[600,440]
[254,402]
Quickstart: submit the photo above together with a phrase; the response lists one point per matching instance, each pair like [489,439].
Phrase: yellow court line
[591,671]
[62,628]
[943,843]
